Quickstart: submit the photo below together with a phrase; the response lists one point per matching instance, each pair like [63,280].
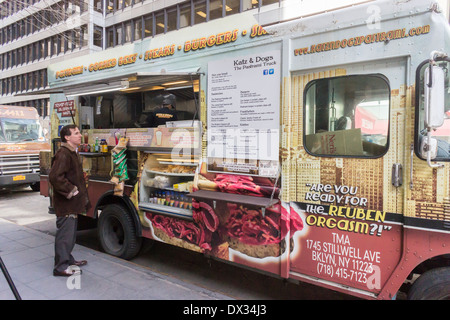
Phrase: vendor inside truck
[164,113]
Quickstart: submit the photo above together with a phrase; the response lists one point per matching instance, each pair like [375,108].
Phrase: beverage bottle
[172,199]
[157,196]
[96,145]
[176,199]
[160,198]
[168,198]
[150,197]
[164,198]
[181,201]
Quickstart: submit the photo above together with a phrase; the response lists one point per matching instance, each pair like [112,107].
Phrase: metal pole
[10,282]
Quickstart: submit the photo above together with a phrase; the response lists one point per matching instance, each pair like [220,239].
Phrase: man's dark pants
[65,241]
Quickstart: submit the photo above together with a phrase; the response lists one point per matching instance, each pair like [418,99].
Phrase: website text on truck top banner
[363,39]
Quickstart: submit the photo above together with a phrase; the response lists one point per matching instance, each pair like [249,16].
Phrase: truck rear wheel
[117,232]
[432,285]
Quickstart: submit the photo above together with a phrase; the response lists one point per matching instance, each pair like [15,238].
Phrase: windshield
[20,130]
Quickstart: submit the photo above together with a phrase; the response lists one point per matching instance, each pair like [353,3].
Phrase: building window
[109,6]
[172,14]
[267,2]
[110,39]
[232,7]
[148,26]
[347,116]
[249,4]
[54,45]
[185,15]
[84,36]
[119,34]
[127,31]
[215,9]
[138,29]
[119,5]
[160,23]
[98,5]
[200,11]
[98,36]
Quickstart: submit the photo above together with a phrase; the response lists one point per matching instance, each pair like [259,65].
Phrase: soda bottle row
[171,199]
[98,146]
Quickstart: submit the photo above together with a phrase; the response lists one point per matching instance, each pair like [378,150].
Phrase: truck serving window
[441,136]
[347,116]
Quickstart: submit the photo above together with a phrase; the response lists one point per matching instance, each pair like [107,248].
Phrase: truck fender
[109,198]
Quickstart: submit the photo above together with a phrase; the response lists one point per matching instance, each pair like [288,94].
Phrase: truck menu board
[243,114]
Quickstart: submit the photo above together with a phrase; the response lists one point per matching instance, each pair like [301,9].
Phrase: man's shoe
[80,263]
[66,273]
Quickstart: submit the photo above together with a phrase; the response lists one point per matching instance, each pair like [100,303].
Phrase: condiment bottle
[103,146]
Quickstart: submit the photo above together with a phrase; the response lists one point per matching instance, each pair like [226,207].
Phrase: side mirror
[434,97]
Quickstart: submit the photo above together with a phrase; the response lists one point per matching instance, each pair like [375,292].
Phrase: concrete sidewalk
[29,256]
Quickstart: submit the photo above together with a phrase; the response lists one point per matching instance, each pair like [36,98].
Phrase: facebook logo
[268,71]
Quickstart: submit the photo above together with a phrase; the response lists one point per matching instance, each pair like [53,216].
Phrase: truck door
[345,149]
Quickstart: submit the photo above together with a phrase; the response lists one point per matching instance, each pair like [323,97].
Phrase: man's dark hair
[65,131]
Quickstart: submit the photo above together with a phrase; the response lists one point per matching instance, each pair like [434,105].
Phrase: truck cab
[21,140]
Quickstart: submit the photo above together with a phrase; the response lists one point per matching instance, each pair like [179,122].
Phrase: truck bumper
[18,179]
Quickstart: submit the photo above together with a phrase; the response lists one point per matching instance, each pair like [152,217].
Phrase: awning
[138,81]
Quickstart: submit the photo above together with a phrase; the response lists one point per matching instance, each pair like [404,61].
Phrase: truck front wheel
[36,186]
[117,232]
[432,285]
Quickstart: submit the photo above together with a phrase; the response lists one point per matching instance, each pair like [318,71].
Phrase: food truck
[315,149]
[21,140]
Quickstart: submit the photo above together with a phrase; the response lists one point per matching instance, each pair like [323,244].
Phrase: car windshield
[19,130]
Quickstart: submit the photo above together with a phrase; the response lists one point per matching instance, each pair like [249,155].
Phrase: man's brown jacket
[66,177]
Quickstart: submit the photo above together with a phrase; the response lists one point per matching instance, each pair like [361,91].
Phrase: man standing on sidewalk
[69,199]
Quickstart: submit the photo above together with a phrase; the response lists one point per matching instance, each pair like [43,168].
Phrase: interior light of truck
[174,82]
[130,89]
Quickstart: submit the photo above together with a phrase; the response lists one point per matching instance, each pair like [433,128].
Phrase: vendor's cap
[169,99]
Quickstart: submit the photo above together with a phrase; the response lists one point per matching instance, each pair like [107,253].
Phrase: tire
[117,232]
[36,186]
[432,285]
